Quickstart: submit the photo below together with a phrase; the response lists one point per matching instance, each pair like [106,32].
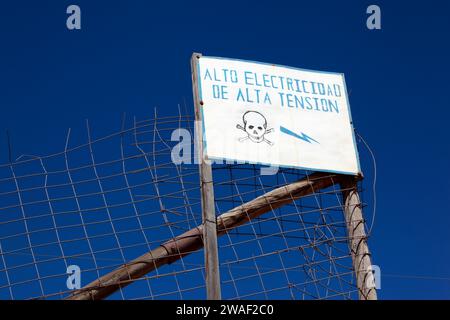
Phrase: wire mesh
[100,204]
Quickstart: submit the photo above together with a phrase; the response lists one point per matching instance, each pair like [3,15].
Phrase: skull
[255,125]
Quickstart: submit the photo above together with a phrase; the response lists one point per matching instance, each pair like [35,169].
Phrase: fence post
[358,240]
[206,182]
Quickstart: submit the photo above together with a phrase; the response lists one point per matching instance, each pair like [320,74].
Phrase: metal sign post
[207,190]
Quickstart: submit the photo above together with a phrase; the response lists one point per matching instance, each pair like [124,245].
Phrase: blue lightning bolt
[303,136]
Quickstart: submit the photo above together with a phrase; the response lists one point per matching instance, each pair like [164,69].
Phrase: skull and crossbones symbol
[255,126]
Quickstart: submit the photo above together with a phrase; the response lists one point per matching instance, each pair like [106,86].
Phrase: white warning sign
[274,115]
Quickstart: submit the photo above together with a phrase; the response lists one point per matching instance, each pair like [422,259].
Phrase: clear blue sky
[134,55]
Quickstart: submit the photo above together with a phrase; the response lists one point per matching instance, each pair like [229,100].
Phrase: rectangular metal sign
[274,115]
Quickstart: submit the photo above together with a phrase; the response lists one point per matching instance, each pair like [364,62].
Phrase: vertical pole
[359,248]
[206,182]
